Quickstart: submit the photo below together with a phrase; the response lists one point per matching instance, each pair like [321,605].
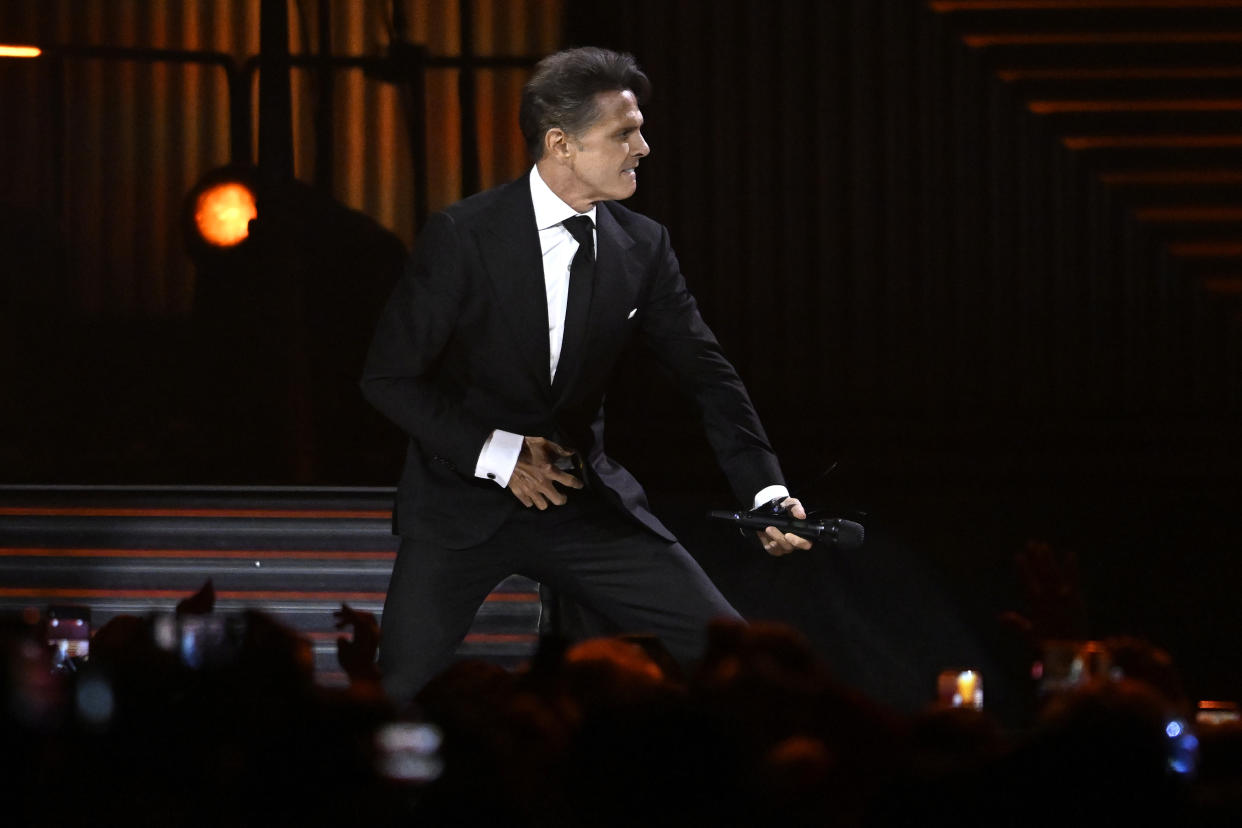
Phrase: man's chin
[617,193]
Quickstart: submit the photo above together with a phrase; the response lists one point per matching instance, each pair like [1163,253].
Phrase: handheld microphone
[835,533]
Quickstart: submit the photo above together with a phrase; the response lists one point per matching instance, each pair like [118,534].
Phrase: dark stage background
[988,259]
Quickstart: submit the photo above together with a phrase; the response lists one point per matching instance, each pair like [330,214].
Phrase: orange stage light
[9,50]
[222,213]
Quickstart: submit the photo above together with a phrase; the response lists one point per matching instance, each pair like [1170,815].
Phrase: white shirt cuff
[499,457]
[769,493]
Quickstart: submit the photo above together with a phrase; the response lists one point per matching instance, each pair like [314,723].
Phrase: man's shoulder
[483,203]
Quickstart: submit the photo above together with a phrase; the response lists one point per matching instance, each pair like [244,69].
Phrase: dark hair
[561,92]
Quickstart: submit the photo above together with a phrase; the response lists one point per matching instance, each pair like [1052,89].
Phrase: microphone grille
[849,535]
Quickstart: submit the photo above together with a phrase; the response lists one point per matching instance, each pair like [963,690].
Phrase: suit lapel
[509,246]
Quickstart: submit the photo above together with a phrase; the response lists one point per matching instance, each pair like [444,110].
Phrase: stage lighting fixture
[13,51]
[222,213]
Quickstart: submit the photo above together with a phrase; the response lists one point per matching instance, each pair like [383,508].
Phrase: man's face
[603,159]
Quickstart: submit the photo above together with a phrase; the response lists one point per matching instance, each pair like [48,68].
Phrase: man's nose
[642,148]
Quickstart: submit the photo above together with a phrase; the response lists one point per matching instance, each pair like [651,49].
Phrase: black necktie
[581,278]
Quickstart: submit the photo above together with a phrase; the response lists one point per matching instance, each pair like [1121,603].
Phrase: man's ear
[556,143]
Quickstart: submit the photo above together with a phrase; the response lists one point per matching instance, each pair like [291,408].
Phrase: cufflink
[491,476]
[631,316]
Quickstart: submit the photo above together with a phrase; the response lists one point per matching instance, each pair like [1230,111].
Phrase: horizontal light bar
[12,51]
[1227,286]
[1206,249]
[1119,73]
[1173,177]
[983,40]
[1088,142]
[943,6]
[1054,107]
[1189,213]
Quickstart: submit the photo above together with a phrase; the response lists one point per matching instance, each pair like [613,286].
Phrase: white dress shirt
[500,452]
[558,245]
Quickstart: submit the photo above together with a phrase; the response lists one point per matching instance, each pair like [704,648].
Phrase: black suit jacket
[462,349]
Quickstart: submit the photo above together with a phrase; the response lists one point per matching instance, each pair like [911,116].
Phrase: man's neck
[560,181]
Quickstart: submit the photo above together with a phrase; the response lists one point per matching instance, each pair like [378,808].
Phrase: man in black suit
[494,354]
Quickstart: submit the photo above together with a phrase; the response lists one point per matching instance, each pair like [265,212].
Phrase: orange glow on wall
[138,136]
[7,50]
[222,213]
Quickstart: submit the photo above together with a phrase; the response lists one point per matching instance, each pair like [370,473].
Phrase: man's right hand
[535,475]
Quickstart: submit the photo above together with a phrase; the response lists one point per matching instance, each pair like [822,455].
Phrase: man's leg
[640,582]
[432,599]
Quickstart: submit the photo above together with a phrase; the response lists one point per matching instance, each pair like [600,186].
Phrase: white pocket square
[632,312]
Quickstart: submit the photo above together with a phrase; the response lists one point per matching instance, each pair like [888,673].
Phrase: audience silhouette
[608,732]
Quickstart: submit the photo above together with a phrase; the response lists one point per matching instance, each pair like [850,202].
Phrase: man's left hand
[778,543]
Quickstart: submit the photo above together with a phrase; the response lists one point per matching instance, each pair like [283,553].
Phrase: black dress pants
[584,549]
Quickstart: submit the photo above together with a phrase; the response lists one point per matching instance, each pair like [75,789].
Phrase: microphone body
[836,533]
